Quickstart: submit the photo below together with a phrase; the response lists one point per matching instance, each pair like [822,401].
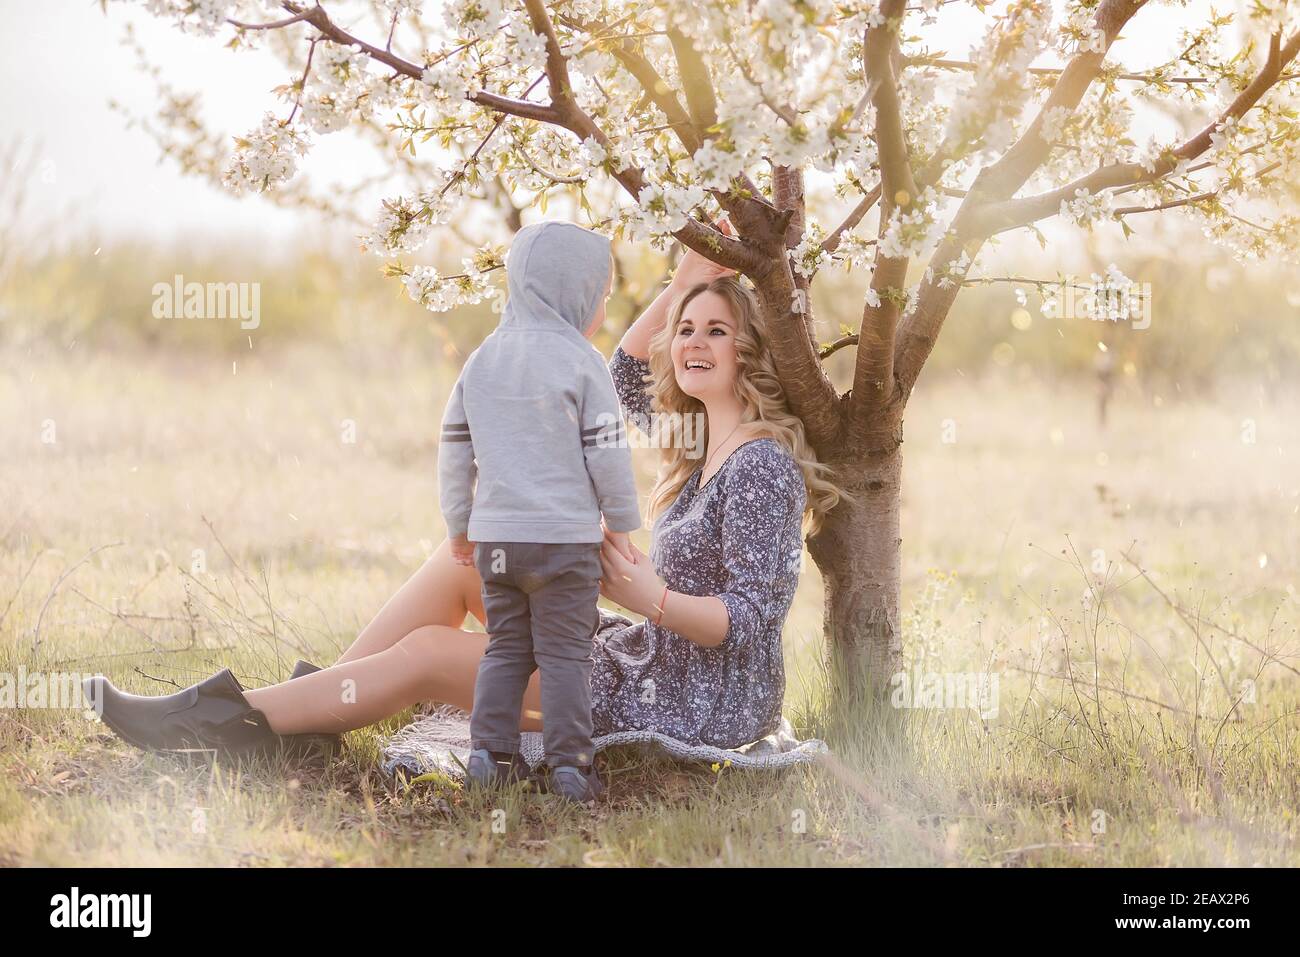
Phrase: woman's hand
[691,271]
[695,269]
[634,584]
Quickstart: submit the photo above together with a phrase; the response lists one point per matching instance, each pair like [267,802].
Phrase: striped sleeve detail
[604,436]
[456,432]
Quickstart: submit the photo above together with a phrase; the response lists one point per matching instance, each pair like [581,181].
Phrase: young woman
[705,666]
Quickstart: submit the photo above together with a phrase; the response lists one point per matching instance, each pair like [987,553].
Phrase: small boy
[534,415]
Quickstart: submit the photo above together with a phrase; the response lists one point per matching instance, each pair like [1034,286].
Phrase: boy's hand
[623,543]
[462,550]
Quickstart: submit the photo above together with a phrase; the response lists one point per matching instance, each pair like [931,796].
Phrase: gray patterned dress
[738,538]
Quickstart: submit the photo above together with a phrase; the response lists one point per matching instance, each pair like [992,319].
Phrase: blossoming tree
[740,108]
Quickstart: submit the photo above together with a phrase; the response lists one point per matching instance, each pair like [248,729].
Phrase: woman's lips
[694,369]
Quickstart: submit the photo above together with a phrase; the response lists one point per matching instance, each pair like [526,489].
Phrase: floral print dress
[737,538]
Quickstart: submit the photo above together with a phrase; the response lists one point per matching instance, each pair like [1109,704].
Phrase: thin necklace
[718,449]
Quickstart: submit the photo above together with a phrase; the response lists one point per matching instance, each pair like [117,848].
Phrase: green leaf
[433,777]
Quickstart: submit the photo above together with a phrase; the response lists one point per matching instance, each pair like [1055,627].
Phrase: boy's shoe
[575,784]
[484,769]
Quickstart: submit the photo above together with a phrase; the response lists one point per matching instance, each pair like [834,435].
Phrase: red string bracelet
[662,602]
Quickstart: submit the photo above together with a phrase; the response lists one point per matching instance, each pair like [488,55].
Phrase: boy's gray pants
[540,601]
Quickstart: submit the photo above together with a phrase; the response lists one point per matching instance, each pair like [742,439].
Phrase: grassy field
[1132,590]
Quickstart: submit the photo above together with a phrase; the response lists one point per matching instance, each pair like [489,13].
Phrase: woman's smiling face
[704,347]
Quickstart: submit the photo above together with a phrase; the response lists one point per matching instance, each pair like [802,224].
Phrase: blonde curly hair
[761,396]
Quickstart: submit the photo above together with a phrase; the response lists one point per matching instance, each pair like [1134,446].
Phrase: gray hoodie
[534,413]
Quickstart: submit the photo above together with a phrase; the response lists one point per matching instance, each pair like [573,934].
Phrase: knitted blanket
[439,741]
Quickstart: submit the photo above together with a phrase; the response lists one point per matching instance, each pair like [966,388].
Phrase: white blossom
[1087,208]
[474,19]
[952,272]
[1080,33]
[1053,125]
[663,209]
[193,16]
[443,82]
[809,256]
[716,166]
[531,46]
[401,8]
[999,86]
[910,230]
[405,222]
[266,157]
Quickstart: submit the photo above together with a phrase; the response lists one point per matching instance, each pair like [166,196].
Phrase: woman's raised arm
[636,341]
[692,270]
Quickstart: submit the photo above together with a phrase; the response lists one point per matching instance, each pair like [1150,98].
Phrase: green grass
[1120,710]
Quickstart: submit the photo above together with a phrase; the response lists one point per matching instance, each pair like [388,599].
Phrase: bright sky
[63,61]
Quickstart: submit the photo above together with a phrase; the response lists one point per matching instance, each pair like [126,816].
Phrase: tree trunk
[858,545]
[858,550]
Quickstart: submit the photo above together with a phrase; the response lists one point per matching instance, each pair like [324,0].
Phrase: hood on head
[556,272]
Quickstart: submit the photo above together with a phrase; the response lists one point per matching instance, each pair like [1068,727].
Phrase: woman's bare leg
[432,663]
[412,651]
[439,593]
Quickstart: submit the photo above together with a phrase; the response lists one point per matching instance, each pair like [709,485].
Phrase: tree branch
[997,217]
[873,374]
[967,66]
[273,25]
[754,218]
[318,18]
[557,68]
[701,99]
[767,223]
[1010,172]
[788,195]
[659,93]
[564,113]
[918,333]
[880,45]
[832,242]
[989,207]
[1191,200]
[810,393]
[836,345]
